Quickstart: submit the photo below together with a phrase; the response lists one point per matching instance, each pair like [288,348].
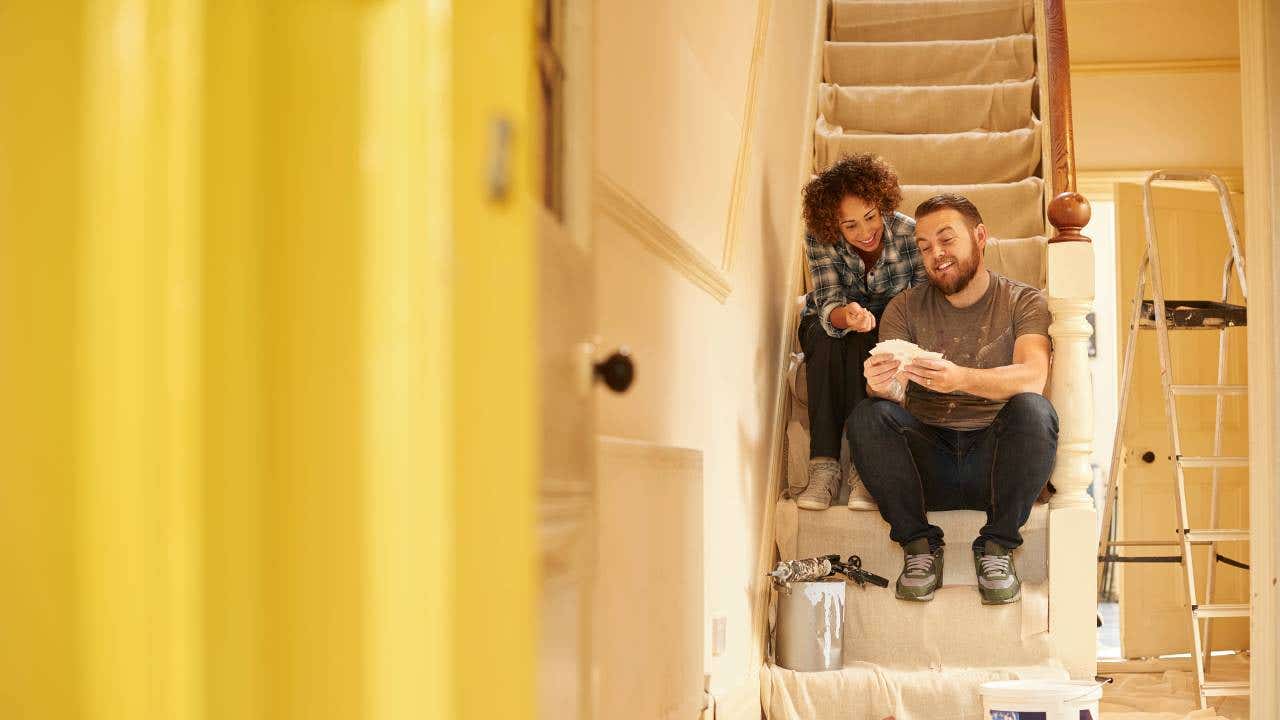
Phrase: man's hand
[857,318]
[941,375]
[881,372]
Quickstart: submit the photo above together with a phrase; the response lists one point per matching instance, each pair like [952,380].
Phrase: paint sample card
[904,351]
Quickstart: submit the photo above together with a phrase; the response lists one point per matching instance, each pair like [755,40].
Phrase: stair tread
[954,629]
[939,158]
[997,107]
[808,533]
[1009,210]
[863,690]
[880,20]
[931,62]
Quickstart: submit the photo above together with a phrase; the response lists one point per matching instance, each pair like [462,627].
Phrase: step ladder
[1163,316]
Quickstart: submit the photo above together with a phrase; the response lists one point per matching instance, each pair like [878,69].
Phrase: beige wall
[1166,95]
[672,84]
[1175,113]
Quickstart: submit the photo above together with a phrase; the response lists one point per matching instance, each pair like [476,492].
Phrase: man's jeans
[910,467]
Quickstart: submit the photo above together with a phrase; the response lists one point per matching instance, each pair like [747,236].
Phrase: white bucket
[1040,700]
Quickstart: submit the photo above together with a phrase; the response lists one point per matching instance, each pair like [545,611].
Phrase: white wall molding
[738,193]
[1100,184]
[660,238]
[1156,67]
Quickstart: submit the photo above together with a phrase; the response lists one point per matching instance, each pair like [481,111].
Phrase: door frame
[1260,110]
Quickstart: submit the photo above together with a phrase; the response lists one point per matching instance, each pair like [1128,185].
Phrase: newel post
[1070,289]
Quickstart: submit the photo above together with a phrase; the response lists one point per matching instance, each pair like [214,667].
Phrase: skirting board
[740,703]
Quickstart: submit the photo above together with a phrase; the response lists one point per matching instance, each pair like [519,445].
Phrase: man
[969,431]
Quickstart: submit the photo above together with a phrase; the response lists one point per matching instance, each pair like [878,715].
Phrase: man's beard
[961,274]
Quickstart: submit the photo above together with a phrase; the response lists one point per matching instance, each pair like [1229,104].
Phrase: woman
[861,253]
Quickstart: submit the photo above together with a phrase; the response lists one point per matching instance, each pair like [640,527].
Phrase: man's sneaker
[824,482]
[859,497]
[921,571]
[997,577]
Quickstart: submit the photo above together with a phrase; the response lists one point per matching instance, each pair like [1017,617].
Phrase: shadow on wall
[774,249]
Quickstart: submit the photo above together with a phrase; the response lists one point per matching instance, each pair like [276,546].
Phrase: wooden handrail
[1069,211]
[1058,86]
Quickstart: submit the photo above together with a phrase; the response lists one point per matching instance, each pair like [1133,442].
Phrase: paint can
[1041,700]
[810,631]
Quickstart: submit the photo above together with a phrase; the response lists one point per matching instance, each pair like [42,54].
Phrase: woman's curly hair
[866,176]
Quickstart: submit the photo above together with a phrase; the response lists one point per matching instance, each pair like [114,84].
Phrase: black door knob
[617,371]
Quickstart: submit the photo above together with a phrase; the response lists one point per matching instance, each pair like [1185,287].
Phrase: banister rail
[1068,211]
[1058,87]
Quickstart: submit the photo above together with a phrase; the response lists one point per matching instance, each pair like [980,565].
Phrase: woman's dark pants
[835,381]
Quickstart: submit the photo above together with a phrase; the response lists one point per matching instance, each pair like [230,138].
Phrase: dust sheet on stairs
[864,691]
[1171,695]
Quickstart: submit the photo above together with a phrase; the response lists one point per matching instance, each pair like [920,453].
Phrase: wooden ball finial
[1069,213]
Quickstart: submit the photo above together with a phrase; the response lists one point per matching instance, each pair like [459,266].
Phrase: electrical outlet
[718,625]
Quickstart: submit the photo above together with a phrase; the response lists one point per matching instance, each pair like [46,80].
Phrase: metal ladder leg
[1117,448]
[1171,413]
[1211,571]
[1219,412]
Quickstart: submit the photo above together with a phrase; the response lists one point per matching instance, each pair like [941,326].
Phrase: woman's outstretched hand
[858,318]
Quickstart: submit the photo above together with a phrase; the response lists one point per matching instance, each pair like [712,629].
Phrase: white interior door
[566,315]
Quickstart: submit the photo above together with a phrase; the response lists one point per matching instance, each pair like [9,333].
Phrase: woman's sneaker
[921,571]
[997,577]
[824,482]
[859,497]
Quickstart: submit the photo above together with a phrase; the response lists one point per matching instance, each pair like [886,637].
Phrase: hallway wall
[673,82]
[1167,96]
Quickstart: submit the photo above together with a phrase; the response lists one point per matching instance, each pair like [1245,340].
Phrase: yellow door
[1193,245]
[270,374]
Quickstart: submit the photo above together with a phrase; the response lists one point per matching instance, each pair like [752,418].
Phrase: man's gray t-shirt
[978,336]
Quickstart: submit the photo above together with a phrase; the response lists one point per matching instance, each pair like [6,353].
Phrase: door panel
[566,316]
[1193,245]
[649,598]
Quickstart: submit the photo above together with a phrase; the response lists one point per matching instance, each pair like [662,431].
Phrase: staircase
[949,91]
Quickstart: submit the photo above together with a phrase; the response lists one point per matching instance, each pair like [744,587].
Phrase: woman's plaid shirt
[840,278]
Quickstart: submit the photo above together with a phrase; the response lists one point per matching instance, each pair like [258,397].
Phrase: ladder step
[1234,610]
[1199,536]
[1209,461]
[1233,687]
[1209,389]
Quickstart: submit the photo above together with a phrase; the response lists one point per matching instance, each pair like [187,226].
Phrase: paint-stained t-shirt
[978,336]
